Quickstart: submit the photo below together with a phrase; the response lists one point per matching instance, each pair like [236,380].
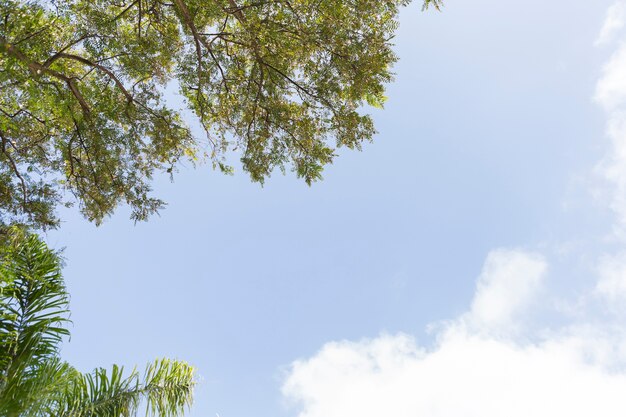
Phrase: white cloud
[468,372]
[506,285]
[464,376]
[614,22]
[611,88]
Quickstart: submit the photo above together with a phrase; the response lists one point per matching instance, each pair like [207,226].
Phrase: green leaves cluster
[35,382]
[81,93]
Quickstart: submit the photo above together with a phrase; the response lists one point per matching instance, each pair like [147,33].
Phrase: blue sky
[496,175]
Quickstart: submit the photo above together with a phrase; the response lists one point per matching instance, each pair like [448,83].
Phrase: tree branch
[37,69]
[14,167]
[102,68]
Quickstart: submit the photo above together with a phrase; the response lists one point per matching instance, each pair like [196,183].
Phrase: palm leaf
[33,310]
[165,389]
[35,393]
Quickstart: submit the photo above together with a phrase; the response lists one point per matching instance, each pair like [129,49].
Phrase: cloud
[506,285]
[614,22]
[464,376]
[469,372]
[611,89]
[493,360]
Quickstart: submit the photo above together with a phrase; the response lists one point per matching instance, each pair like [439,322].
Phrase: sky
[471,261]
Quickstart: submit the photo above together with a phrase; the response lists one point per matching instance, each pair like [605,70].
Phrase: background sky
[495,176]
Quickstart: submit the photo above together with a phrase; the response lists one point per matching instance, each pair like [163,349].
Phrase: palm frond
[165,389]
[34,393]
[33,301]
[33,310]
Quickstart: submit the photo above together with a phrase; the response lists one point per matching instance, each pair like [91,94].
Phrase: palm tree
[35,382]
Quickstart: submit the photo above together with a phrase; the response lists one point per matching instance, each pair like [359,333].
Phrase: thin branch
[102,68]
[36,68]
[14,167]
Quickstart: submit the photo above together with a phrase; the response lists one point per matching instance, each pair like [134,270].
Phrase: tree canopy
[35,382]
[84,117]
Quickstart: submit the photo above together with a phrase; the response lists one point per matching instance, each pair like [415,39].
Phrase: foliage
[81,93]
[34,381]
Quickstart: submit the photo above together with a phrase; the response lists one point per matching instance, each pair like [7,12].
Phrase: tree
[35,382]
[83,115]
